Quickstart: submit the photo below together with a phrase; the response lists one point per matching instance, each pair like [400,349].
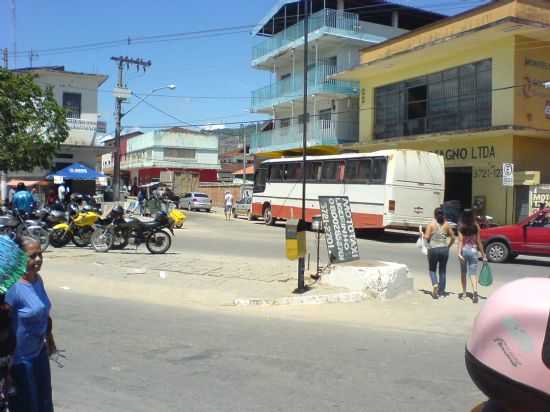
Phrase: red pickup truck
[528,237]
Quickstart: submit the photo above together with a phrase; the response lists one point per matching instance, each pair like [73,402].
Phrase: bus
[386,189]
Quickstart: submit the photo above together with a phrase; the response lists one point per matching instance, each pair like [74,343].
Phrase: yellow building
[471,87]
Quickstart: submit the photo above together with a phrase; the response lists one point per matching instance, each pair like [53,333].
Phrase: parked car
[531,236]
[242,208]
[195,201]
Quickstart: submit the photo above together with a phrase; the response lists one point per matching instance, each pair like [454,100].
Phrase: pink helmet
[508,354]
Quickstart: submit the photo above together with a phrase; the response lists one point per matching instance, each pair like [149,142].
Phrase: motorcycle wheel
[83,237]
[59,238]
[179,225]
[102,240]
[158,242]
[120,241]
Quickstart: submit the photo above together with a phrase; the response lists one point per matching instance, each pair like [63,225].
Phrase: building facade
[338,29]
[77,93]
[178,149]
[470,87]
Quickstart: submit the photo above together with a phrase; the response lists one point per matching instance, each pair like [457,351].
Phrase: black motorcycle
[14,224]
[117,231]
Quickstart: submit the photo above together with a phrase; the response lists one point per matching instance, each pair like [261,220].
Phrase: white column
[4,187]
[317,63]
[395,19]
[340,5]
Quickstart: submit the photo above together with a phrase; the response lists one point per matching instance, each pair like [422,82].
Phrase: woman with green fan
[30,307]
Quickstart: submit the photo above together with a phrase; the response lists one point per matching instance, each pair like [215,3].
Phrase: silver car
[195,201]
[242,208]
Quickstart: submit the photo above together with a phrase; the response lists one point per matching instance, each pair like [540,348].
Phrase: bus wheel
[268,216]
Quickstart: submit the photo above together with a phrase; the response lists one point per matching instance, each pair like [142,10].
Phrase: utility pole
[32,55]
[301,261]
[5,57]
[122,61]
[244,160]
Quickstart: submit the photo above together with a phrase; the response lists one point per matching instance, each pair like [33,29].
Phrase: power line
[215,32]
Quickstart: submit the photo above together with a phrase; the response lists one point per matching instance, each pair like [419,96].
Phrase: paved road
[125,356]
[210,232]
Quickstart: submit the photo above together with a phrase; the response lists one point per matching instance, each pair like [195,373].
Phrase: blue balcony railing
[319,133]
[336,22]
[292,88]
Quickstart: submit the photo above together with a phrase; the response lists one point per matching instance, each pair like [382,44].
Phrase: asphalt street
[210,233]
[123,356]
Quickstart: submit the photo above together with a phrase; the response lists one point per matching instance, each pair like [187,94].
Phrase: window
[329,171]
[301,118]
[284,122]
[276,172]
[313,170]
[358,171]
[176,153]
[72,103]
[455,99]
[285,76]
[325,115]
[294,172]
[379,166]
[260,180]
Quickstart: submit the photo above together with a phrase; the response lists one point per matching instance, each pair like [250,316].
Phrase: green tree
[32,123]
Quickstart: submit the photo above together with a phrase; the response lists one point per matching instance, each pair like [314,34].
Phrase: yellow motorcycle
[79,229]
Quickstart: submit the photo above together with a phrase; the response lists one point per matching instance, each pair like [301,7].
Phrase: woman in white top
[440,238]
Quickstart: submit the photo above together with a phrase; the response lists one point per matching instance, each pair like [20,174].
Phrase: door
[458,185]
[537,237]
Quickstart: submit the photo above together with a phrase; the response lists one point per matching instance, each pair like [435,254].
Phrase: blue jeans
[469,264]
[33,385]
[438,256]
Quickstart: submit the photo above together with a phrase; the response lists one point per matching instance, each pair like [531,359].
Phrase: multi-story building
[473,88]
[338,29]
[174,149]
[77,93]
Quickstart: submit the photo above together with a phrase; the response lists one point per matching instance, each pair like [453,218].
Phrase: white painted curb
[345,297]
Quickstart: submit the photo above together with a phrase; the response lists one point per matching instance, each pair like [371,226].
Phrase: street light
[119,116]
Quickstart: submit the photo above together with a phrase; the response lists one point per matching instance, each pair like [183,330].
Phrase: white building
[338,29]
[77,93]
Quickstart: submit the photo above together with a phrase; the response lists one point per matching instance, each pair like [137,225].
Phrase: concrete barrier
[381,280]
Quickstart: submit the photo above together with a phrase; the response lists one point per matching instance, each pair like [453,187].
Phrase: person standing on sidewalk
[440,238]
[228,202]
[469,248]
[31,322]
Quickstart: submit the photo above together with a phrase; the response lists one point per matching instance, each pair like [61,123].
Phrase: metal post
[244,160]
[5,57]
[118,120]
[301,262]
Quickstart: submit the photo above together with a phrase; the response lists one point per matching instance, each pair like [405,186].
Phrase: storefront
[470,88]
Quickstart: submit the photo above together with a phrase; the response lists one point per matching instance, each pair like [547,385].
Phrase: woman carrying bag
[440,238]
[469,248]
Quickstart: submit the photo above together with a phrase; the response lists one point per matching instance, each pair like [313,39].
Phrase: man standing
[61,193]
[23,201]
[228,205]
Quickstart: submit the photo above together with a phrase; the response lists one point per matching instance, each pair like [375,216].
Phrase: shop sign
[58,180]
[468,153]
[540,195]
[339,230]
[507,174]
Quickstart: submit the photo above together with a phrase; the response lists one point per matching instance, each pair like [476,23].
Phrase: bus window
[313,170]
[329,171]
[259,180]
[276,172]
[379,166]
[358,171]
[294,172]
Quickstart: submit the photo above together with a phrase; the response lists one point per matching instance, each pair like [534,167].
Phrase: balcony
[87,125]
[292,88]
[319,133]
[324,22]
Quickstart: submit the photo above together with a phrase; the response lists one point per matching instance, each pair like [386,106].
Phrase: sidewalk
[182,279]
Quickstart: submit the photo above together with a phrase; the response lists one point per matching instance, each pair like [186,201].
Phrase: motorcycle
[51,217]
[78,229]
[118,231]
[178,216]
[14,224]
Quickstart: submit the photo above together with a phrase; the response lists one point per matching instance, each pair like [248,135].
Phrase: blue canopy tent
[77,171]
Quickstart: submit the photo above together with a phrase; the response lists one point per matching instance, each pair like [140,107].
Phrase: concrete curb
[344,297]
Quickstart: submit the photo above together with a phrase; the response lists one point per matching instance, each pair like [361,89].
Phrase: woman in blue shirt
[30,307]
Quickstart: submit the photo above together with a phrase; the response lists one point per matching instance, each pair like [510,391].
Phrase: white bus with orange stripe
[387,188]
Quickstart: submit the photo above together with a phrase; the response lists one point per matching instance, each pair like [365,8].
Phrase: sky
[202,67]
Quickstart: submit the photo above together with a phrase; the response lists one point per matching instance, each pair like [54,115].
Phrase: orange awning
[28,183]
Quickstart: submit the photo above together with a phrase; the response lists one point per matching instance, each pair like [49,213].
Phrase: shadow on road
[386,236]
[530,262]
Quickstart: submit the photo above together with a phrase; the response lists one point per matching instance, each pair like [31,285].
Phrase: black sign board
[339,231]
